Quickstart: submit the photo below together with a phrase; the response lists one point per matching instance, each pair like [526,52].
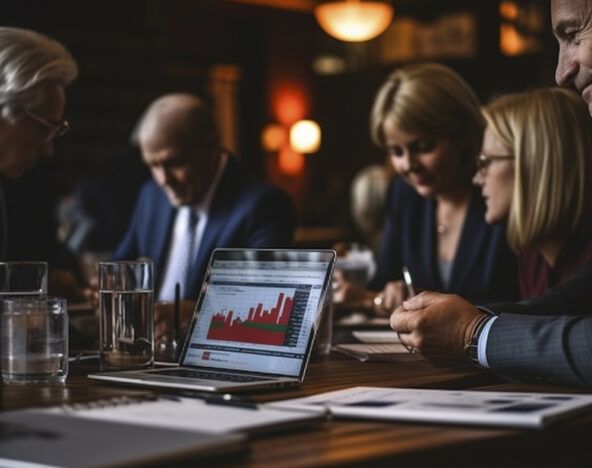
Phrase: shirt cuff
[482,343]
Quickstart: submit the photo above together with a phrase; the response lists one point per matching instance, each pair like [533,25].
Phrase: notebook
[34,438]
[199,413]
[480,408]
[254,323]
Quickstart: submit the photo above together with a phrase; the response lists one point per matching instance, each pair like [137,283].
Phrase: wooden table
[353,442]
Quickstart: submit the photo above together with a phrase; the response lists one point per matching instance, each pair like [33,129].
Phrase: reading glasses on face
[484,160]
[56,130]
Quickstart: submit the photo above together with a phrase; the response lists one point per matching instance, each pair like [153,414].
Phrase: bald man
[201,197]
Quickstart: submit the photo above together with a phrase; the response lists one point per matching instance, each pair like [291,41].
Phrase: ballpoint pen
[410,293]
[408,281]
[177,321]
[224,399]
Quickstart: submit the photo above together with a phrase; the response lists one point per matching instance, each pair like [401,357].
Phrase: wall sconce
[354,20]
[305,136]
[302,137]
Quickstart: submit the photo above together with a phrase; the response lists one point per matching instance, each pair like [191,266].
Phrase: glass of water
[126,316]
[34,340]
[23,279]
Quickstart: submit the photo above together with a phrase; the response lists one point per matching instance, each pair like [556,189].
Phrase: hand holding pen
[393,295]
[410,293]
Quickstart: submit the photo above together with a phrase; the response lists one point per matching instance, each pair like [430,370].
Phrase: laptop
[253,326]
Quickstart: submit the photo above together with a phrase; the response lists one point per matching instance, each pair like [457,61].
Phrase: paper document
[377,352]
[190,414]
[34,438]
[527,410]
[360,319]
[365,336]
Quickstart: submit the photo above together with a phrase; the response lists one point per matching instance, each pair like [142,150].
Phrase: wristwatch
[471,348]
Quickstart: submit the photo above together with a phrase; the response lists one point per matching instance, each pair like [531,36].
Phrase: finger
[402,321]
[422,300]
[407,340]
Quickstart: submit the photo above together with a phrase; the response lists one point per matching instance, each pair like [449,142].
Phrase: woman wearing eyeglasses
[535,173]
[429,122]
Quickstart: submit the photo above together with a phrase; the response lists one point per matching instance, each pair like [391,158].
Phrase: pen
[410,293]
[177,319]
[408,281]
[225,399]
[83,357]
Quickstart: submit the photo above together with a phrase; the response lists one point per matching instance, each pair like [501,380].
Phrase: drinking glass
[324,332]
[34,340]
[126,315]
[23,279]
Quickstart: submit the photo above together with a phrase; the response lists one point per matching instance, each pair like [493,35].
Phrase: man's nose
[566,69]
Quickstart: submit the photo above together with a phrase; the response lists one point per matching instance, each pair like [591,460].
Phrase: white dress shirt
[172,268]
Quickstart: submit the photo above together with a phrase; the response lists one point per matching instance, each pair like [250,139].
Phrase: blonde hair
[549,132]
[433,100]
[27,60]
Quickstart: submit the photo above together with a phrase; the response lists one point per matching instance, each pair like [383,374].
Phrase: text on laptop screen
[257,316]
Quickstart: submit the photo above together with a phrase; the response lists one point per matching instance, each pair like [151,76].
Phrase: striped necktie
[188,251]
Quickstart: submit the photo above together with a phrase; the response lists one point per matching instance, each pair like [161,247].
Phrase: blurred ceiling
[296,5]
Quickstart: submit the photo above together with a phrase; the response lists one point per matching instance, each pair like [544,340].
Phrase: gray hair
[27,60]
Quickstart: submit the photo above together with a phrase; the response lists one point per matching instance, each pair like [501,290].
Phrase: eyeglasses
[484,160]
[56,130]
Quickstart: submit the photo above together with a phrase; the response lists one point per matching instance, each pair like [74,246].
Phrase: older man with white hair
[202,197]
[34,71]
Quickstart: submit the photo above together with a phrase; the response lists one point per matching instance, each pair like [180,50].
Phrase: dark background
[131,51]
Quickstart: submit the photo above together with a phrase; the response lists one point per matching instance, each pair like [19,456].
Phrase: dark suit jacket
[245,212]
[546,339]
[484,267]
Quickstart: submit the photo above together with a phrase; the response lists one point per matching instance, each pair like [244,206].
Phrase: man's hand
[437,325]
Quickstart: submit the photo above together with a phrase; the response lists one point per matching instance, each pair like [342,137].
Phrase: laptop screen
[257,310]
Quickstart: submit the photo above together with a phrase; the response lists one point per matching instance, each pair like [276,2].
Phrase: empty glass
[126,316]
[33,340]
[23,279]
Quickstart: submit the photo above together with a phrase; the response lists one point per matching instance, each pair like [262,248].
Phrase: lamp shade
[354,20]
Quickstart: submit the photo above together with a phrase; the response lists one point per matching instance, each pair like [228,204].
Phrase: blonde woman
[428,120]
[535,171]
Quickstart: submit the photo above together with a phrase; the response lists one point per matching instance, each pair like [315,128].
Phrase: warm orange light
[354,20]
[511,43]
[508,10]
[305,136]
[273,137]
[290,162]
[289,105]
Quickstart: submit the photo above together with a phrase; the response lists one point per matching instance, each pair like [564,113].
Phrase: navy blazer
[484,268]
[245,212]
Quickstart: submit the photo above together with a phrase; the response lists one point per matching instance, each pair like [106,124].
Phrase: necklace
[441,229]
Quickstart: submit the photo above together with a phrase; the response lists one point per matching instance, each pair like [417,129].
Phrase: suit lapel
[218,218]
[162,228]
[429,253]
[470,245]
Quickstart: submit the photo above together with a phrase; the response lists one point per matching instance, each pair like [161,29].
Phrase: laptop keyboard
[208,375]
